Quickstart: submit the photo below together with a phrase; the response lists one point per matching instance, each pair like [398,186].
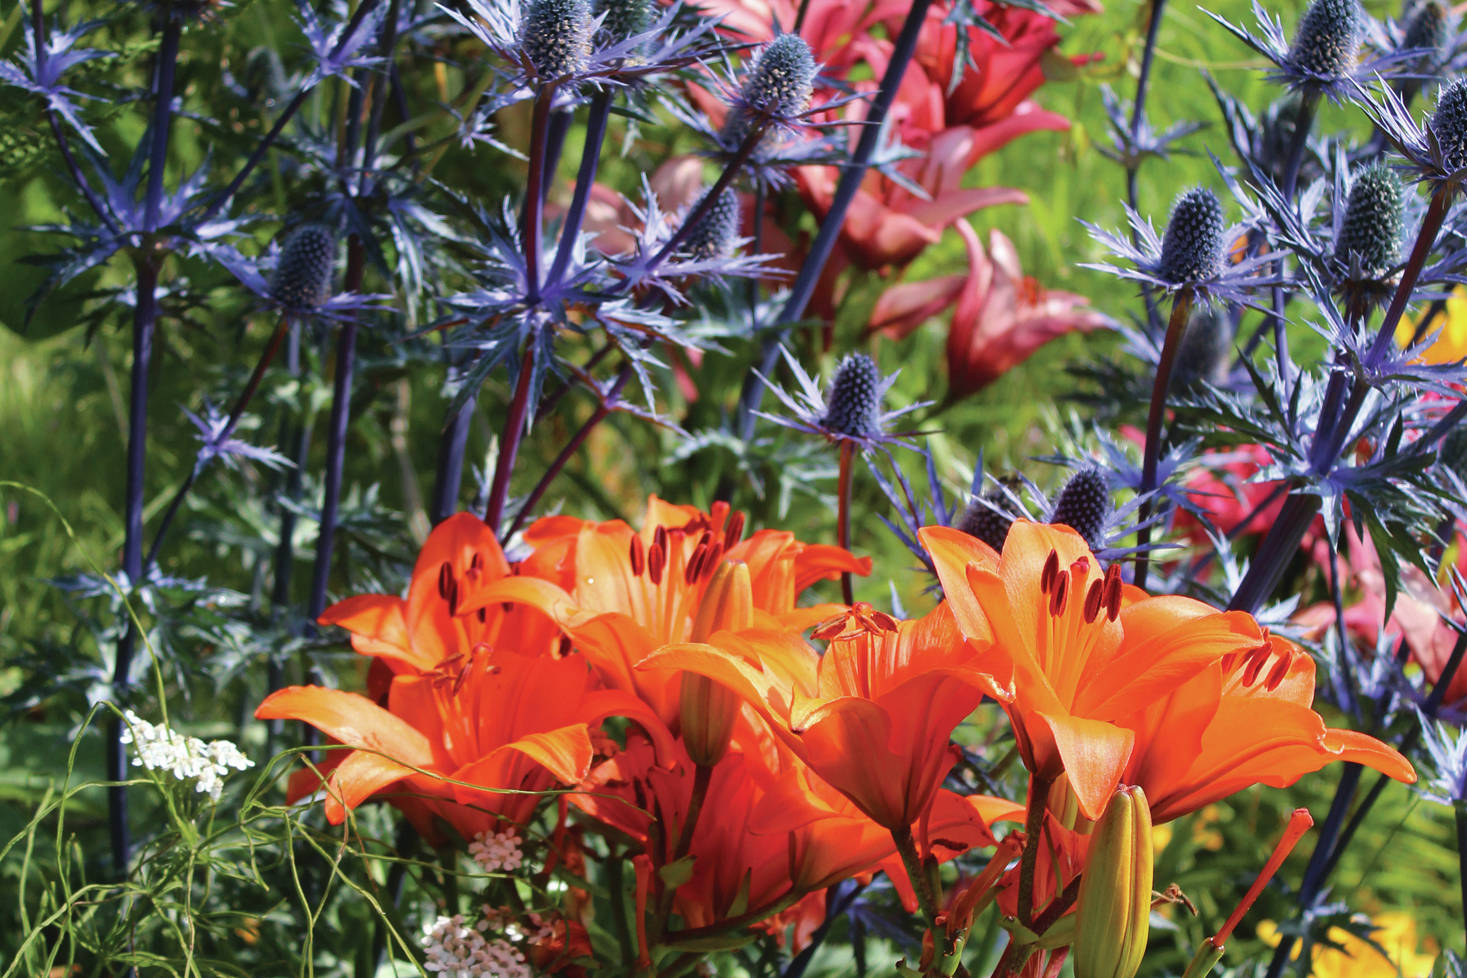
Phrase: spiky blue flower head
[1449,123]
[1328,37]
[1373,221]
[783,78]
[622,19]
[1084,505]
[302,278]
[1427,31]
[714,234]
[556,36]
[1192,248]
[853,407]
[987,519]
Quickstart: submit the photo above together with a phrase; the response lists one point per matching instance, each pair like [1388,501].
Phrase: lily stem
[1029,858]
[1181,306]
[912,863]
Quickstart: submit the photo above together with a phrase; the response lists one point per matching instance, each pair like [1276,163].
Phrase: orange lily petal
[1094,754]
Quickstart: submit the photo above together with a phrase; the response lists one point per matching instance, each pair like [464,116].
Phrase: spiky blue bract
[556,36]
[302,278]
[1192,249]
[1373,220]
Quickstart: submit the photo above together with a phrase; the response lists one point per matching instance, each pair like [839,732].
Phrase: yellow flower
[1410,957]
[1450,344]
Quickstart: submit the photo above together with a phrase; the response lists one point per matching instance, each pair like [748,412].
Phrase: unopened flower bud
[1192,248]
[713,236]
[708,708]
[1084,505]
[1372,225]
[302,277]
[1328,37]
[1113,914]
[556,36]
[854,402]
[622,19]
[1449,123]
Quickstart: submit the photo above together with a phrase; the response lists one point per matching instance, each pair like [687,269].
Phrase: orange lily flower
[476,739]
[624,594]
[413,635]
[874,716]
[1245,719]
[1078,653]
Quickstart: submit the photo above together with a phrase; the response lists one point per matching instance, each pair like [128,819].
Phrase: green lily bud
[1113,914]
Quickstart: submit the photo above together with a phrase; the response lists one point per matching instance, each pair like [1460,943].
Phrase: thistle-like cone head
[1206,349]
[708,708]
[1084,505]
[986,520]
[1427,30]
[1192,248]
[1449,123]
[1113,913]
[1373,220]
[556,36]
[854,403]
[783,78]
[302,277]
[1328,38]
[713,236]
[625,18]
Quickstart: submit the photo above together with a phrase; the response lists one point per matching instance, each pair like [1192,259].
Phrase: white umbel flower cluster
[186,758]
[457,950]
[496,852]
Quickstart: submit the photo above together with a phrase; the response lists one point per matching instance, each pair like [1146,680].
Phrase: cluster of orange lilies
[666,689]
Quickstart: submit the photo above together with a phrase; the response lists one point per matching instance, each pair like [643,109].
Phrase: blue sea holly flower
[1436,152]
[1324,56]
[851,412]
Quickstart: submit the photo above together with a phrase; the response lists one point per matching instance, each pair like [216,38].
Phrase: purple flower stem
[843,517]
[845,191]
[145,316]
[1176,325]
[570,230]
[535,192]
[451,447]
[295,434]
[1282,540]
[571,447]
[509,442]
[1133,166]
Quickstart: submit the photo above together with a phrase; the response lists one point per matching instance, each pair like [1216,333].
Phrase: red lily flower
[1077,653]
[1000,316]
[476,739]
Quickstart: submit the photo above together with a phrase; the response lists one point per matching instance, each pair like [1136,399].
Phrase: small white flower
[158,748]
[456,950]
[497,851]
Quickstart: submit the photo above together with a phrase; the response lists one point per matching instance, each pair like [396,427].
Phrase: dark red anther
[1113,592]
[695,562]
[638,556]
[1057,598]
[445,579]
[1256,660]
[711,559]
[735,531]
[657,557]
[478,562]
[452,597]
[1094,597]
[1050,572]
[1279,672]
[659,537]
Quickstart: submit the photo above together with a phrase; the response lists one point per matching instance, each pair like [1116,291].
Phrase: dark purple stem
[162,117]
[451,447]
[509,442]
[535,192]
[571,447]
[843,519]
[596,120]
[295,434]
[1151,456]
[335,460]
[845,191]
